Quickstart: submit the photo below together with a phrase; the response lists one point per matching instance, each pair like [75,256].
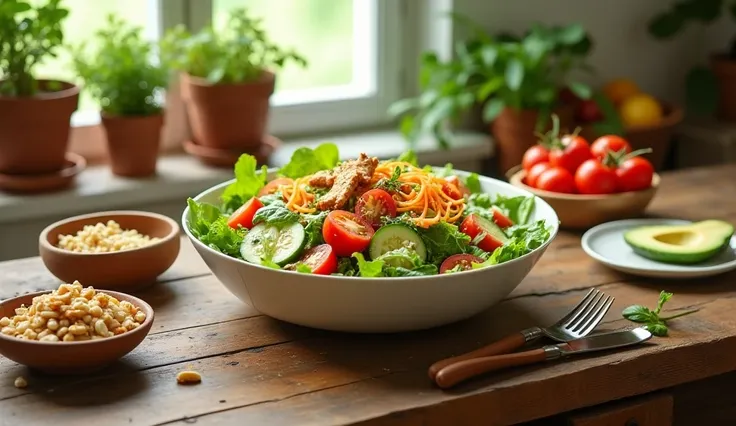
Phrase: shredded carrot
[296,196]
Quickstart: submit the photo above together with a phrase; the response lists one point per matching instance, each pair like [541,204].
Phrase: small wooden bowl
[72,357]
[580,211]
[127,270]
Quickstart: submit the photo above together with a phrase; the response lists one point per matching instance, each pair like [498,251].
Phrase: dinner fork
[579,322]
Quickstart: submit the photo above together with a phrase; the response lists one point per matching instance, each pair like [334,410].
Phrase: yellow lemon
[619,89]
[641,110]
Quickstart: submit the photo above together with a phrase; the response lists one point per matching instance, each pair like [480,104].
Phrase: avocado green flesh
[682,244]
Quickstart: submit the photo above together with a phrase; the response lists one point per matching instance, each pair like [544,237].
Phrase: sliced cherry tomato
[574,151]
[464,261]
[243,216]
[375,204]
[501,219]
[556,179]
[634,174]
[454,180]
[593,177]
[609,143]
[533,174]
[346,232]
[534,155]
[451,190]
[472,227]
[321,259]
[273,186]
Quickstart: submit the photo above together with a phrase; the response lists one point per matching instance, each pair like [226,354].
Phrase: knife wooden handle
[464,370]
[506,345]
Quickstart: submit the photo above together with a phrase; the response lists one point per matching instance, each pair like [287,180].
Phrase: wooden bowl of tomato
[588,183]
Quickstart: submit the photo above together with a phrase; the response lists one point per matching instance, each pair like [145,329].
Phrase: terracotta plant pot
[228,116]
[34,131]
[725,72]
[513,131]
[133,143]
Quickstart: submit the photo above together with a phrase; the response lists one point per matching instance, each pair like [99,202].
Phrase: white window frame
[329,110]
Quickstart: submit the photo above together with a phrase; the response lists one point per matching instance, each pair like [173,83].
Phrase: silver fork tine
[588,311]
[600,313]
[577,307]
[580,313]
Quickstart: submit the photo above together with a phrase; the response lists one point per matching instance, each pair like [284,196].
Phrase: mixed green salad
[364,218]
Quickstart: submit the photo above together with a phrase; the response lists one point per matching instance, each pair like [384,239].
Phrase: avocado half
[682,244]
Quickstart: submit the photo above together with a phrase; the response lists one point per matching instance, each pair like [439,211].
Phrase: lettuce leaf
[409,157]
[209,225]
[472,182]
[373,268]
[522,240]
[275,214]
[443,240]
[398,271]
[306,161]
[248,181]
[313,228]
[518,209]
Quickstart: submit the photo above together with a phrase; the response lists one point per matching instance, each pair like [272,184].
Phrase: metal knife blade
[603,341]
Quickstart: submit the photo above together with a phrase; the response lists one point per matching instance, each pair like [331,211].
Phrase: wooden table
[260,371]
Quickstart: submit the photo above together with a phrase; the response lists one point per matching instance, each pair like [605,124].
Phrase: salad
[364,217]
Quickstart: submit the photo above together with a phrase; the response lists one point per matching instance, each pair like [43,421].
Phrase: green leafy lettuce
[522,240]
[209,225]
[306,161]
[313,228]
[409,157]
[443,240]
[275,214]
[518,209]
[248,181]
[472,182]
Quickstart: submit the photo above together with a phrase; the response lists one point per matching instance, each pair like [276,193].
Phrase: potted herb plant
[227,79]
[708,89]
[34,113]
[120,73]
[517,80]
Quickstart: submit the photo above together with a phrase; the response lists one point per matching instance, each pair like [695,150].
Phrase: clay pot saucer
[227,158]
[72,357]
[31,184]
[127,270]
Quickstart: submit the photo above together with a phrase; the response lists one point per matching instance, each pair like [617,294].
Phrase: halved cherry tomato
[608,143]
[501,219]
[346,232]
[273,186]
[321,259]
[556,179]
[464,261]
[574,151]
[451,191]
[459,184]
[593,177]
[243,216]
[533,174]
[472,227]
[373,205]
[634,174]
[534,155]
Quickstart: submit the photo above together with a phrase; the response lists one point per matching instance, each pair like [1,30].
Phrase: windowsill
[181,176]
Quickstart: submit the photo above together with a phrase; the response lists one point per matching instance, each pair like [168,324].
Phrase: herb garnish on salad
[364,217]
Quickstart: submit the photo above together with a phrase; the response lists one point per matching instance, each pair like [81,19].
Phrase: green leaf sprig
[651,319]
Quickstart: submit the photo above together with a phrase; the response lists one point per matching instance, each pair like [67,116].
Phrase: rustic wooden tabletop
[260,371]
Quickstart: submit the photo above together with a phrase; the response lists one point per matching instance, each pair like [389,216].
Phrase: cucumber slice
[284,243]
[395,236]
[492,229]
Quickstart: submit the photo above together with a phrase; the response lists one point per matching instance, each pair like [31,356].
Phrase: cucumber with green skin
[284,244]
[396,236]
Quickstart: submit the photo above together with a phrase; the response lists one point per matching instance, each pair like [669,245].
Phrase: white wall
[623,48]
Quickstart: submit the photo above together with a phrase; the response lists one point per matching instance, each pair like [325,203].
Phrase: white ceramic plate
[606,244]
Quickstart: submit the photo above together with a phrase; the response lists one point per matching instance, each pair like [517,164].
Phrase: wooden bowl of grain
[119,250]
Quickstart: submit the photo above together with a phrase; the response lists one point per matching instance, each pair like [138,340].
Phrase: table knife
[460,371]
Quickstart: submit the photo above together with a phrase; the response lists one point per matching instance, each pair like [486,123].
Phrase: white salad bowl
[373,305]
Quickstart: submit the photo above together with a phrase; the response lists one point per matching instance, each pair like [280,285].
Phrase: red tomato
[346,232]
[634,174]
[321,259]
[533,174]
[459,184]
[534,155]
[501,219]
[451,190]
[465,261]
[243,216]
[595,178]
[608,143]
[473,227]
[574,151]
[556,179]
[588,111]
[376,203]
[273,186]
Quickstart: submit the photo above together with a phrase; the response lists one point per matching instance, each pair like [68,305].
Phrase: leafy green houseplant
[227,79]
[120,72]
[710,88]
[516,80]
[34,114]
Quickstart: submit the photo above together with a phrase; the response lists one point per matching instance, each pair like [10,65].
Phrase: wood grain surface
[261,371]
